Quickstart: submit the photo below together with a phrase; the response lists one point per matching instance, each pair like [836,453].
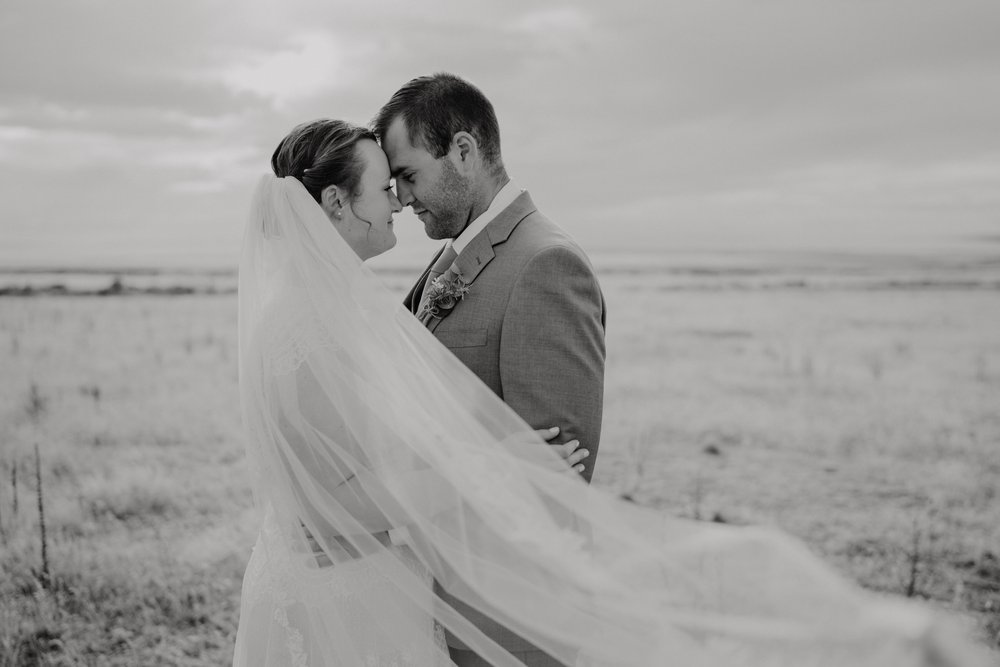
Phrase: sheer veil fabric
[359,422]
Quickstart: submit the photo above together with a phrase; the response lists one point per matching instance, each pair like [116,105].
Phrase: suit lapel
[412,300]
[474,258]
[431,322]
[480,251]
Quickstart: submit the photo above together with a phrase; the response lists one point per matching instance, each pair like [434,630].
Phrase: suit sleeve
[552,348]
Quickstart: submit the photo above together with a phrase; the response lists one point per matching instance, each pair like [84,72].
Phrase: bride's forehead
[375,162]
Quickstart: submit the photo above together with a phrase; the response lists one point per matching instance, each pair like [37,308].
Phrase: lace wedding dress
[360,425]
[300,609]
[298,612]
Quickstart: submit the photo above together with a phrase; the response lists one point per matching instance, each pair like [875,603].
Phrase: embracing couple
[421,470]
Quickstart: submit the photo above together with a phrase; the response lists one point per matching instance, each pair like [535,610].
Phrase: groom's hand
[571,452]
[526,448]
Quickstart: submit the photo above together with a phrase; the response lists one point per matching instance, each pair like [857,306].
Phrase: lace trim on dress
[293,638]
[270,581]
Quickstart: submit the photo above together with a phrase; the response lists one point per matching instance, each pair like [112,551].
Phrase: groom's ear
[332,199]
[464,150]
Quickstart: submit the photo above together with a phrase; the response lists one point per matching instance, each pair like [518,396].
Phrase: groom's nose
[404,194]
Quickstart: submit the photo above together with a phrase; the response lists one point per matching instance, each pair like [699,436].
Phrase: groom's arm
[552,348]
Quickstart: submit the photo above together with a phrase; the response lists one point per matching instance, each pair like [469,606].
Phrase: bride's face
[366,224]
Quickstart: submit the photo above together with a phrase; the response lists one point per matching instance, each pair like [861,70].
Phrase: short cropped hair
[436,107]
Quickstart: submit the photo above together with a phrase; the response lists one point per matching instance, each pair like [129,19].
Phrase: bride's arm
[338,490]
[337,467]
[337,462]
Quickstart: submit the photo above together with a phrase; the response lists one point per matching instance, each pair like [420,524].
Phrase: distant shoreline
[609,260]
[664,271]
[642,282]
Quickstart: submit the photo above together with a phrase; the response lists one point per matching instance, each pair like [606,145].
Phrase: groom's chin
[435,231]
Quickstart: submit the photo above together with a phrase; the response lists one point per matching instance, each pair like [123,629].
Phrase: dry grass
[864,422]
[136,415]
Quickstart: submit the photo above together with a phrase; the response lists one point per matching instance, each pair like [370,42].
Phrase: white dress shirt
[501,200]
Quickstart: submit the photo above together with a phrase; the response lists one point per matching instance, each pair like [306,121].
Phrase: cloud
[314,63]
[55,151]
[198,187]
[565,20]
[152,119]
[59,150]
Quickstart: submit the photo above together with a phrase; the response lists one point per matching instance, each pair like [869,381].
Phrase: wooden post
[41,517]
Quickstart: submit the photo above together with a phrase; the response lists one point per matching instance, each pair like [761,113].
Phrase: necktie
[442,264]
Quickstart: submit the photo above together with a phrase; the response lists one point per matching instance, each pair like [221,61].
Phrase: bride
[380,464]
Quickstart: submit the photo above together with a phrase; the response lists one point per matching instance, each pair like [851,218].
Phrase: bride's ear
[333,200]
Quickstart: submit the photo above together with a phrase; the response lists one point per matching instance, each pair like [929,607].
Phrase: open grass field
[861,416]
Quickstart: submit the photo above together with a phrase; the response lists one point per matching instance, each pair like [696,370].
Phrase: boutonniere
[443,293]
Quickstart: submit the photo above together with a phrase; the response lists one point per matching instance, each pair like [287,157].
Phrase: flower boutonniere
[443,293]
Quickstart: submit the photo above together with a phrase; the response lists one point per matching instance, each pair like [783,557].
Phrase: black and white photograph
[500,334]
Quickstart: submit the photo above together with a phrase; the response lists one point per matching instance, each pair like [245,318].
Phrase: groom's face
[439,195]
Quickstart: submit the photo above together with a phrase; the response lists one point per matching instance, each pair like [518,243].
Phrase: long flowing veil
[359,422]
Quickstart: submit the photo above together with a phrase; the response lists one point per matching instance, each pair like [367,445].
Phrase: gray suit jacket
[532,328]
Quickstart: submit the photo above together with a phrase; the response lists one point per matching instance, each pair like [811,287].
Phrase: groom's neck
[485,196]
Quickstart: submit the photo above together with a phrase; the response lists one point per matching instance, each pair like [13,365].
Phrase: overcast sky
[132,132]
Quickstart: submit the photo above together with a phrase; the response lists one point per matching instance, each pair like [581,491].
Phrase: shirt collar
[504,198]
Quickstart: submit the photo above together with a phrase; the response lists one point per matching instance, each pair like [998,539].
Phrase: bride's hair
[322,153]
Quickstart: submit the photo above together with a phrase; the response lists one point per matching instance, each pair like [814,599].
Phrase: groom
[510,293]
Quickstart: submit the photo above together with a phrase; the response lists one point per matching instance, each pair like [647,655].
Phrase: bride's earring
[331,203]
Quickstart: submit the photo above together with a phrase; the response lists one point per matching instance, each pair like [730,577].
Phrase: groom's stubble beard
[450,204]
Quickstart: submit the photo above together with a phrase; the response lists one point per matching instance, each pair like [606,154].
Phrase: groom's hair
[436,107]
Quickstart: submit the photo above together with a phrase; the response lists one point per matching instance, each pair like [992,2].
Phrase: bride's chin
[381,251]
